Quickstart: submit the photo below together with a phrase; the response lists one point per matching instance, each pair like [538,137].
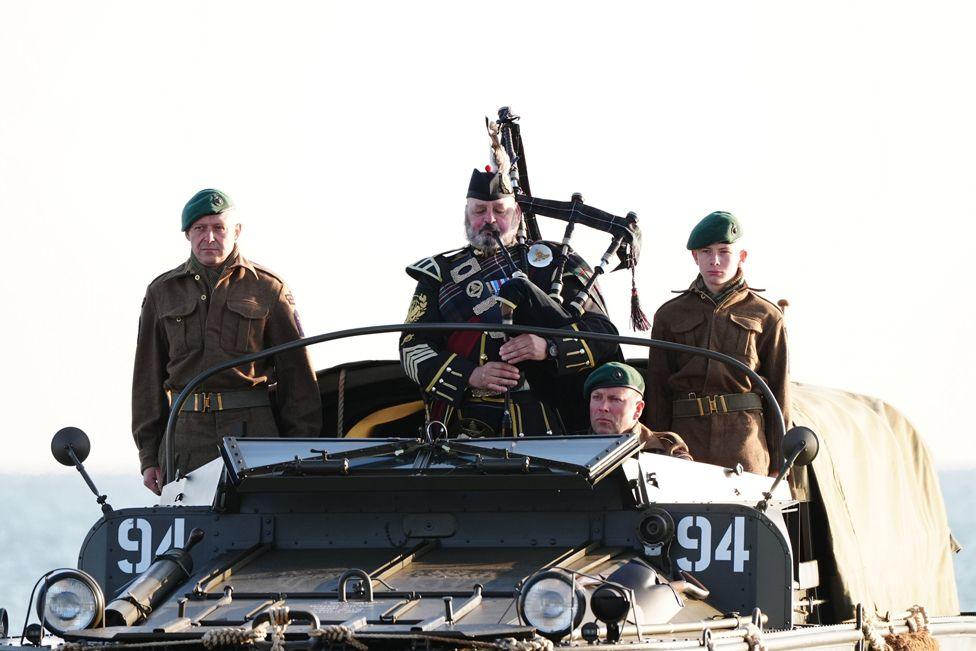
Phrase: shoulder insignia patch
[429,267]
[418,308]
[290,299]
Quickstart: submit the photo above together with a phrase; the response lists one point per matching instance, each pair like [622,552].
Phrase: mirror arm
[787,466]
[101,499]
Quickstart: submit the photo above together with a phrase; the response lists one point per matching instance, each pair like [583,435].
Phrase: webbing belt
[720,404]
[223,400]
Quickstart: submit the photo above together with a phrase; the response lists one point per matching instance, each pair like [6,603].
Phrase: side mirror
[68,440]
[70,446]
[800,445]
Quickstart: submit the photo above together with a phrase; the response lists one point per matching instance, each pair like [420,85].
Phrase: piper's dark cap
[614,374]
[203,203]
[718,227]
[480,186]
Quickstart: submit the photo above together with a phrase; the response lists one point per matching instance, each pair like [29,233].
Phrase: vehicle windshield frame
[588,457]
[776,412]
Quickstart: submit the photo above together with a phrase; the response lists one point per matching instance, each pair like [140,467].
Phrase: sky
[840,132]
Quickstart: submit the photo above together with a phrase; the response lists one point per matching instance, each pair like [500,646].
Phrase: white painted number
[703,543]
[135,535]
[142,544]
[732,546]
[172,538]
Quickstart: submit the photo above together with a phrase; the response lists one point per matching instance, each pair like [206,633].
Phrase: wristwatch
[552,350]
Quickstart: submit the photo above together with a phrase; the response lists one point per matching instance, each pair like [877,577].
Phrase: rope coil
[232,637]
[332,634]
[337,634]
[872,636]
[918,619]
[278,619]
[918,637]
[754,638]
[538,643]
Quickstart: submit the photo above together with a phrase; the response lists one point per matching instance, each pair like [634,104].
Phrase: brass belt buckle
[712,406]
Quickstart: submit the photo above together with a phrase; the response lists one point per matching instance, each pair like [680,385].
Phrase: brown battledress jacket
[745,326]
[667,443]
[183,330]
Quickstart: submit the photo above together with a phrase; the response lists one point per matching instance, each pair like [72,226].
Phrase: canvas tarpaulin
[888,528]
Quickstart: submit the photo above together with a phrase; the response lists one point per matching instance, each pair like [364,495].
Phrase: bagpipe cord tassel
[638,320]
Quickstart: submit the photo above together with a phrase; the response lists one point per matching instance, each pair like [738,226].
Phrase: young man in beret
[212,308]
[478,383]
[615,394]
[712,405]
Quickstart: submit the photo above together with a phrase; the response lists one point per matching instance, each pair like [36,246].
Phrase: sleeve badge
[418,308]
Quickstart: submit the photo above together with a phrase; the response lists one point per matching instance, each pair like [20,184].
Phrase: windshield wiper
[337,463]
[503,460]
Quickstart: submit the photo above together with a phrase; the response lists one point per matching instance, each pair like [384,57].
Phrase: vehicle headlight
[552,603]
[70,600]
[610,604]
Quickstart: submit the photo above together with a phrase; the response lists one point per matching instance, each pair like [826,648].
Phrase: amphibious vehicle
[385,534]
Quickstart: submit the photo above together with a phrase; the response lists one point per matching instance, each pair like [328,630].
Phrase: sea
[44,519]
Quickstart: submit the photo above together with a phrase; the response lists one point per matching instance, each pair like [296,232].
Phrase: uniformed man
[615,394]
[481,384]
[712,405]
[212,308]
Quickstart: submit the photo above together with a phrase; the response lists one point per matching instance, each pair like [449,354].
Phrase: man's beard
[484,239]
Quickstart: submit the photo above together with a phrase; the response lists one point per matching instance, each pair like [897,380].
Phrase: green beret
[720,226]
[614,374]
[203,203]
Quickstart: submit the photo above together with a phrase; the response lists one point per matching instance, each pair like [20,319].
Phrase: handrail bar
[168,438]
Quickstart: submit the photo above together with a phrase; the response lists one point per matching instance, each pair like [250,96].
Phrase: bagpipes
[508,153]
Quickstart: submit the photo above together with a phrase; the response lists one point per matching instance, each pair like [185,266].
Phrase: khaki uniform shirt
[185,329]
[745,326]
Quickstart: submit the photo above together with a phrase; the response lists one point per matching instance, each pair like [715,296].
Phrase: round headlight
[552,603]
[70,600]
[610,604]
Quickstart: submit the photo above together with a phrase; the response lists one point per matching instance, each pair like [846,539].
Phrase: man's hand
[522,348]
[152,478]
[494,376]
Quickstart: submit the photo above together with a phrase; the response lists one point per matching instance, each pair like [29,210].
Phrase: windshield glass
[581,455]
